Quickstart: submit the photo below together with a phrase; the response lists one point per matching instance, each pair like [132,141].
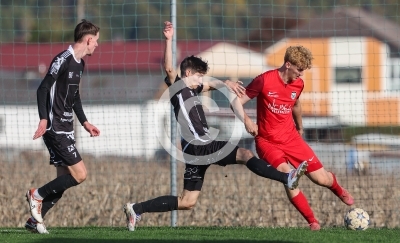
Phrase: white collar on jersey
[70,49]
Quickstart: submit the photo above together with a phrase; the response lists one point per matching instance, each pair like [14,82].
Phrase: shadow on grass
[145,235]
[65,240]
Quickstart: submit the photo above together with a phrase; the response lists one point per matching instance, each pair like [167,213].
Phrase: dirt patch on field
[231,196]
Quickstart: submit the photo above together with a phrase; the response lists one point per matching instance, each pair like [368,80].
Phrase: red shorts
[294,152]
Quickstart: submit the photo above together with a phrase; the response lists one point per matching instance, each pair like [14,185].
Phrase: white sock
[36,195]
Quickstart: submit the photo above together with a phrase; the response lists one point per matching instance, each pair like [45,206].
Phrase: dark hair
[196,64]
[85,28]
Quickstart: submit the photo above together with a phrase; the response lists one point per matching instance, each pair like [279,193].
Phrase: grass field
[198,234]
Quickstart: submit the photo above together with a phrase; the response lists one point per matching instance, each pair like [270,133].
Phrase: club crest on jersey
[293,95]
[70,74]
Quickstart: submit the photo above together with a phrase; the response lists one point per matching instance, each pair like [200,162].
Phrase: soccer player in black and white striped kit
[198,147]
[58,98]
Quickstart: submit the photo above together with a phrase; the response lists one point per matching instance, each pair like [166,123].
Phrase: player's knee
[321,177]
[284,167]
[80,177]
[245,154]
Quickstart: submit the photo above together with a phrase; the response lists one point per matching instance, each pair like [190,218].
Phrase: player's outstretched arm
[234,87]
[168,34]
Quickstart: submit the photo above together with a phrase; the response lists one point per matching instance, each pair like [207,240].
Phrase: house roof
[109,56]
[348,22]
[273,28]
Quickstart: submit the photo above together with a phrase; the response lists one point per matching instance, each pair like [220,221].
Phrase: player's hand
[41,129]
[251,127]
[94,132]
[168,30]
[236,87]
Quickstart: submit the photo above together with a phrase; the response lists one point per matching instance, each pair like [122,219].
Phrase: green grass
[198,234]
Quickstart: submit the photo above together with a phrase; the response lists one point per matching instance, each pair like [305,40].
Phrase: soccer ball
[356,219]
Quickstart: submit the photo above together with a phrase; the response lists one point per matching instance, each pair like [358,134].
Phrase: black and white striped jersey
[58,94]
[189,112]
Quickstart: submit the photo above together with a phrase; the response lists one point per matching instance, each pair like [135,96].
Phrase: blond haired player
[279,129]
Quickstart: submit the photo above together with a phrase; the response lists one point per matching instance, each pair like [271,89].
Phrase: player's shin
[263,169]
[159,204]
[50,201]
[59,184]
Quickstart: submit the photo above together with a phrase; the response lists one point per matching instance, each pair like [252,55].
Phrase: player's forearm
[78,109]
[41,103]
[169,69]
[297,117]
[237,108]
[216,84]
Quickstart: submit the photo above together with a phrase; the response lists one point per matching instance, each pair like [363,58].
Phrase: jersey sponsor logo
[66,120]
[293,95]
[70,74]
[67,113]
[279,109]
[272,94]
[57,64]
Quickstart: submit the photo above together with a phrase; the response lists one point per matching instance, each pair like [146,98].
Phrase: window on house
[348,75]
[394,80]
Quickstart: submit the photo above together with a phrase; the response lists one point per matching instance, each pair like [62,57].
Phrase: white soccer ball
[356,219]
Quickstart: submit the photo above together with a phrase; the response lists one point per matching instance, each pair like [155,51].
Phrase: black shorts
[199,157]
[62,149]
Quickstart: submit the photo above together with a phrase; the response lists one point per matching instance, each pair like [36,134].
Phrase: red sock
[336,188]
[301,204]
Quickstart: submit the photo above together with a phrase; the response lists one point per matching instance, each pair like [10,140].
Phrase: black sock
[159,204]
[50,201]
[262,168]
[59,184]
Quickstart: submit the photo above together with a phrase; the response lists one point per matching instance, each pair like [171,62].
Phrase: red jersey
[275,101]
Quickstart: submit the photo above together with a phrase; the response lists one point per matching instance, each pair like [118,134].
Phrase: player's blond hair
[299,56]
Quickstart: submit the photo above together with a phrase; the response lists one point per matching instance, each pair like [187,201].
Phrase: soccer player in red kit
[279,128]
